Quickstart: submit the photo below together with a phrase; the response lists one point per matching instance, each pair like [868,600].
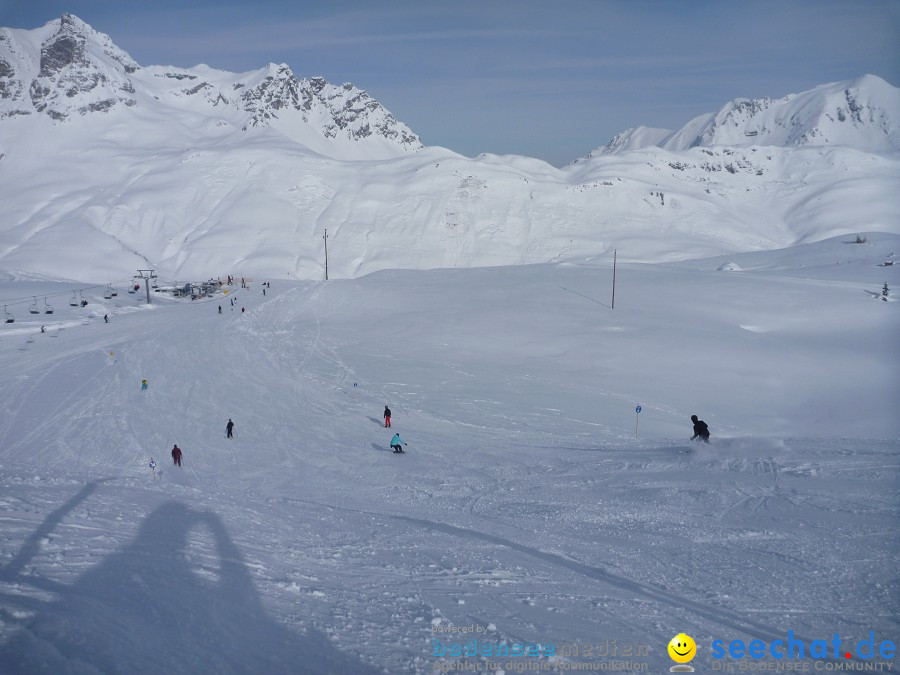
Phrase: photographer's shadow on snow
[178,599]
[381,448]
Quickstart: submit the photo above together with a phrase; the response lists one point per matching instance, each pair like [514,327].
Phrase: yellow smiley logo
[682,648]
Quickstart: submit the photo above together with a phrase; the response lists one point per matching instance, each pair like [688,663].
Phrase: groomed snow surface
[525,509]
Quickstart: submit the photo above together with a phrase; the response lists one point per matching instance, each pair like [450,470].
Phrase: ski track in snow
[524,505]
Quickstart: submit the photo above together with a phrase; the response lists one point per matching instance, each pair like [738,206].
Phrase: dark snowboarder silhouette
[228,429]
[701,430]
[176,455]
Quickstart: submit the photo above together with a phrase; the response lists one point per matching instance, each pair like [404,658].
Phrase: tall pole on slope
[614,280]
[147,275]
[326,253]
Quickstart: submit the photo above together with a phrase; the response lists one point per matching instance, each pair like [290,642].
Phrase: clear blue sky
[546,78]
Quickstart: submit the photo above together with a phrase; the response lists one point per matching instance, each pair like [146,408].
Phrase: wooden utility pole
[614,281]
[326,253]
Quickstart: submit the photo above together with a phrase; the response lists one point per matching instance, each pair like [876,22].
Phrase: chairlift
[9,317]
[112,291]
[83,302]
[74,300]
[107,294]
[48,308]
[34,308]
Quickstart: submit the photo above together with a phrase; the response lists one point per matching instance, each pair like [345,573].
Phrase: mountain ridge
[209,173]
[67,69]
[861,112]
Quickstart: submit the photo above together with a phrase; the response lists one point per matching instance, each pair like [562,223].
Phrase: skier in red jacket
[176,455]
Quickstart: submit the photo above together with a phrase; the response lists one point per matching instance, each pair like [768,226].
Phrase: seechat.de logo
[796,648]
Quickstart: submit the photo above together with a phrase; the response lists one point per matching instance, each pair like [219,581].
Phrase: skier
[176,455]
[228,428]
[264,291]
[144,385]
[220,309]
[701,430]
[387,416]
[396,442]
[106,318]
[42,330]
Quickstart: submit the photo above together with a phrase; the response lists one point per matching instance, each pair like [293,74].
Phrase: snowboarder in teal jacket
[396,442]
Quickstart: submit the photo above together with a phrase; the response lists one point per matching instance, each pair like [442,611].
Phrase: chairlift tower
[147,275]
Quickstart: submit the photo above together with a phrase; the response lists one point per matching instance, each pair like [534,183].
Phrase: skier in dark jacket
[700,429]
[228,428]
[387,416]
[176,455]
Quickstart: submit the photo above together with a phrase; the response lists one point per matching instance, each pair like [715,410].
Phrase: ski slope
[526,508]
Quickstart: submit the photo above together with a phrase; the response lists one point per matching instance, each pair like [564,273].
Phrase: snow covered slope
[526,509]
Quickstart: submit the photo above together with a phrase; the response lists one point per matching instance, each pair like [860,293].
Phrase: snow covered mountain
[861,113]
[67,69]
[107,167]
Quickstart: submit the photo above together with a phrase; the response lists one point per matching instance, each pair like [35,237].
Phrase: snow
[197,171]
[534,506]
[526,509]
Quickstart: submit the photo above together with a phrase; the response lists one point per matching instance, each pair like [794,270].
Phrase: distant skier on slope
[387,417]
[176,455]
[701,430]
[396,442]
[144,385]
[228,429]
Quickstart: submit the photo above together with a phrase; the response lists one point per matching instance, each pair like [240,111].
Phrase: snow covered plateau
[550,513]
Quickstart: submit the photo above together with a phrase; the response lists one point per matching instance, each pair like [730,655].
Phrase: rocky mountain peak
[340,112]
[78,71]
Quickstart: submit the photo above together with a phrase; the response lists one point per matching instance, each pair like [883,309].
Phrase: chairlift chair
[107,294]
[112,291]
[48,308]
[74,300]
[34,308]
[9,317]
